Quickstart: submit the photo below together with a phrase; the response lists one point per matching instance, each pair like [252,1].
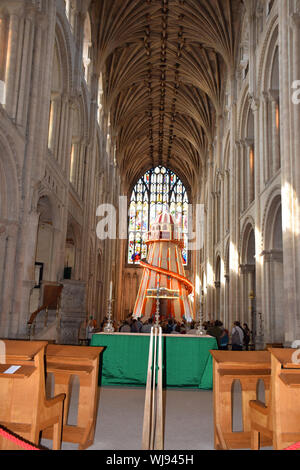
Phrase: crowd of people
[236,340]
[169,326]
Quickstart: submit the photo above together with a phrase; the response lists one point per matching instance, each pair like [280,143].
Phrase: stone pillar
[12,58]
[273,295]
[3,55]
[234,225]
[250,165]
[242,185]
[247,276]
[54,123]
[266,138]
[209,243]
[274,94]
[257,178]
[289,69]
[8,249]
[3,46]
[197,253]
[26,38]
[25,275]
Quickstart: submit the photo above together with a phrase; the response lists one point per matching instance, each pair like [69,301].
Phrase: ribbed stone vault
[164,65]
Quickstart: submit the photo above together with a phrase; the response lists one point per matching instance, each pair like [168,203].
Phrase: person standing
[246,336]
[146,328]
[224,340]
[216,331]
[91,326]
[237,337]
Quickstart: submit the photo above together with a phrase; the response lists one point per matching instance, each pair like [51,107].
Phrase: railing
[31,324]
[52,296]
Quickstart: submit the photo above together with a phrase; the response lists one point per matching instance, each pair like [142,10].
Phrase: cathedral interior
[112,111]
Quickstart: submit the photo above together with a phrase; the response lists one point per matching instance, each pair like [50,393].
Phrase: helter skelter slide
[164,269]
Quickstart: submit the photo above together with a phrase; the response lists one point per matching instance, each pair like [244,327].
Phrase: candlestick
[157,305]
[109,326]
[200,331]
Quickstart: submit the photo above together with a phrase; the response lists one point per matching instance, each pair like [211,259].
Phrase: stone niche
[73,311]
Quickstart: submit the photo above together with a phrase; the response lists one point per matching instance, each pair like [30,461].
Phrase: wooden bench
[228,366]
[280,419]
[24,408]
[81,361]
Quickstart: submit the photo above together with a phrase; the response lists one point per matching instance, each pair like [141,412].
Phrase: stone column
[266,137]
[3,46]
[241,163]
[27,237]
[28,228]
[257,177]
[12,58]
[209,242]
[26,39]
[8,250]
[234,308]
[274,301]
[63,129]
[3,56]
[250,164]
[53,123]
[247,272]
[274,95]
[197,252]
[289,68]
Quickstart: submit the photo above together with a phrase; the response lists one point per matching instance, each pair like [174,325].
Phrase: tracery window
[157,191]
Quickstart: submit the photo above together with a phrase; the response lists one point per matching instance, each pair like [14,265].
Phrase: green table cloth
[186,360]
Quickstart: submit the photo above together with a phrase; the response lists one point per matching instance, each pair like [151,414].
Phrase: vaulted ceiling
[164,65]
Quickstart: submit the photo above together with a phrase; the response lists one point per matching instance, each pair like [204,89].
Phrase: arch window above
[159,190]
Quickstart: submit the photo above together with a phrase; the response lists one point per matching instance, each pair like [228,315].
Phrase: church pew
[24,408]
[228,366]
[81,361]
[280,419]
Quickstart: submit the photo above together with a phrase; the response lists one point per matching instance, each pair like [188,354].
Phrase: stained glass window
[157,191]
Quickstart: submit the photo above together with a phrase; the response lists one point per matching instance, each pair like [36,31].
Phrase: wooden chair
[228,366]
[82,361]
[279,418]
[24,408]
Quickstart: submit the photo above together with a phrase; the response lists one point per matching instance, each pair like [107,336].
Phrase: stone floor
[188,418]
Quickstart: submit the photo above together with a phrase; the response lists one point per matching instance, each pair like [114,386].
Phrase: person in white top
[237,337]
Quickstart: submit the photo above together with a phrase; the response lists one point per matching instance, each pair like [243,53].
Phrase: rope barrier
[16,440]
[294,446]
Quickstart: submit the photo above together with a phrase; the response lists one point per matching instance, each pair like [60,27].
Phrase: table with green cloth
[186,359]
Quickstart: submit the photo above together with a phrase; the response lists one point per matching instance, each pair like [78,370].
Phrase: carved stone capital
[274,95]
[247,268]
[254,103]
[295,18]
[272,255]
[15,7]
[249,143]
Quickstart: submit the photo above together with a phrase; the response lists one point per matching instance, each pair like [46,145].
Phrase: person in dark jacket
[215,330]
[246,336]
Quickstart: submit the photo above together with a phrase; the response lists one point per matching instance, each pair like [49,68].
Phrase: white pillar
[11,63]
